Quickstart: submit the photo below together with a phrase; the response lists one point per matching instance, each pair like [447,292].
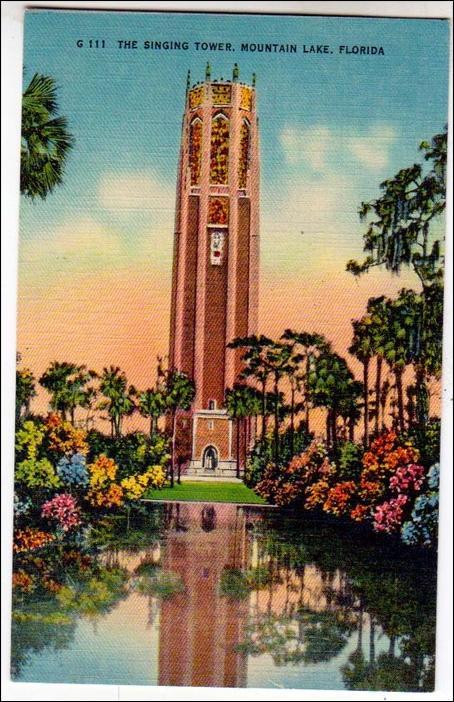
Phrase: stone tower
[215,262]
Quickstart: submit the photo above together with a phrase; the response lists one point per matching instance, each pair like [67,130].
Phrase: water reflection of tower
[200,629]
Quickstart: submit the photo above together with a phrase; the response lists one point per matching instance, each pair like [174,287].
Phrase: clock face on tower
[217,246]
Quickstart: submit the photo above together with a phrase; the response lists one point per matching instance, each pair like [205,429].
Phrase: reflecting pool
[228,596]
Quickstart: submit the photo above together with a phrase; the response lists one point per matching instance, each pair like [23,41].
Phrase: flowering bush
[64,510]
[29,439]
[289,484]
[339,498]
[316,494]
[385,455]
[422,526]
[23,581]
[135,485]
[156,477]
[389,516]
[407,478]
[21,507]
[63,438]
[102,471]
[30,539]
[108,497]
[360,513]
[35,473]
[73,471]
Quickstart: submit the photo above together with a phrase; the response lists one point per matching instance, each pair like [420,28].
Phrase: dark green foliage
[45,139]
[426,439]
[130,451]
[349,461]
[398,223]
[290,444]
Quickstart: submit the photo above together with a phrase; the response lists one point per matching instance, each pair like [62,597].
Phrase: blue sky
[332,128]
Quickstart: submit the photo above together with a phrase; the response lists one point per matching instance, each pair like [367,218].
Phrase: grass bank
[206,492]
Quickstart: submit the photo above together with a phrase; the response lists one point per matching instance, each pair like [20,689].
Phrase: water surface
[223,595]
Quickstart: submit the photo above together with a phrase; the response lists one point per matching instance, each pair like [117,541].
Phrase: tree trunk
[378,394]
[276,420]
[237,448]
[151,426]
[263,411]
[174,442]
[371,640]
[422,396]
[334,428]
[292,421]
[73,415]
[351,429]
[366,401]
[306,393]
[400,397]
[328,428]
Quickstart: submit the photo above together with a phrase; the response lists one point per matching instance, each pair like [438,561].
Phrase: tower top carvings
[216,81]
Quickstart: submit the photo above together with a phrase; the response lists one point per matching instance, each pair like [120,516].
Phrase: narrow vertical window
[243,163]
[219,162]
[195,150]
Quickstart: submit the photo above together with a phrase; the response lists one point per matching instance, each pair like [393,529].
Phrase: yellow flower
[101,471]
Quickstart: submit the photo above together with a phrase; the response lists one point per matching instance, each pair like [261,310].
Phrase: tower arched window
[219,154]
[195,149]
[245,145]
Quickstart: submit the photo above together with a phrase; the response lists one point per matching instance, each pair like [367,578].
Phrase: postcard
[229,350]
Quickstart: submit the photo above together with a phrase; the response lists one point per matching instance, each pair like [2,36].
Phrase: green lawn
[206,492]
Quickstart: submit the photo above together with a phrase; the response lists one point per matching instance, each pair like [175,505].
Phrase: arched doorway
[210,458]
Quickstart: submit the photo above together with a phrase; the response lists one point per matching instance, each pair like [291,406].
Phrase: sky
[95,257]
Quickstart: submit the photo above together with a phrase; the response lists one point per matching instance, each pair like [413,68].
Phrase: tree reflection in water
[232,584]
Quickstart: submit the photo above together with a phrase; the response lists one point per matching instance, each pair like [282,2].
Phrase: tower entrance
[210,458]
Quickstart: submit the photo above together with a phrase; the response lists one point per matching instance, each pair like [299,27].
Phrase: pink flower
[406,478]
[64,510]
[388,517]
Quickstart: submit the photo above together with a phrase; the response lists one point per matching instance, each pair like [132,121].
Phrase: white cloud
[307,145]
[372,150]
[325,149]
[80,244]
[125,193]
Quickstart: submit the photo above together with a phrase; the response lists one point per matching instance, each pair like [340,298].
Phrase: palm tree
[179,391]
[77,392]
[119,397]
[45,139]
[305,346]
[254,366]
[56,380]
[152,404]
[332,385]
[362,348]
[398,348]
[239,404]
[378,311]
[25,391]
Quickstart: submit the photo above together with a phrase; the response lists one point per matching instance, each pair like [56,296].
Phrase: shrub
[422,527]
[35,473]
[29,439]
[350,463]
[30,539]
[73,471]
[63,439]
[63,510]
[288,484]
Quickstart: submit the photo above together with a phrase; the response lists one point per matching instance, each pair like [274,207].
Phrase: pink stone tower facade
[215,262]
